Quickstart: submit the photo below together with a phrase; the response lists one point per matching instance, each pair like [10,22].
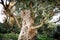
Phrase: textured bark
[27,33]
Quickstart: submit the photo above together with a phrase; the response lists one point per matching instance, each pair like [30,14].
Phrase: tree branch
[17,22]
[43,21]
[2,3]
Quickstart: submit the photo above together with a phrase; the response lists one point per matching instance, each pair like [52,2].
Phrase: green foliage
[9,29]
[9,36]
[43,37]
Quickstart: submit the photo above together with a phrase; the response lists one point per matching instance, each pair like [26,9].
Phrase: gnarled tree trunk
[27,33]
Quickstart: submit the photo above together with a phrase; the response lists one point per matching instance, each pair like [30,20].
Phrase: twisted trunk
[27,33]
